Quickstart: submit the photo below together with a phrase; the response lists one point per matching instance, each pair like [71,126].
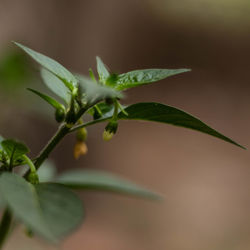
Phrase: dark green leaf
[94,92]
[102,70]
[141,77]
[55,85]
[166,114]
[50,210]
[14,149]
[54,67]
[48,99]
[100,180]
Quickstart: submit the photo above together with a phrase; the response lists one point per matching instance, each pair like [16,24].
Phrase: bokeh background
[205,181]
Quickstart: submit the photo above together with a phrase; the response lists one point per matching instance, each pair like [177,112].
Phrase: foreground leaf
[14,149]
[141,77]
[50,210]
[53,66]
[61,208]
[47,171]
[54,103]
[55,85]
[103,181]
[102,70]
[22,199]
[166,114]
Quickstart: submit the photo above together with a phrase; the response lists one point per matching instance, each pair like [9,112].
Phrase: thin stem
[5,226]
[88,124]
[30,164]
[62,131]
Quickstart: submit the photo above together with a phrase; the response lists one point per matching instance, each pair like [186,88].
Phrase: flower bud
[80,149]
[33,178]
[110,130]
[82,134]
[60,114]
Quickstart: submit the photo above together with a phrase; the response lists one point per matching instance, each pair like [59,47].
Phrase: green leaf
[50,210]
[14,149]
[54,67]
[103,107]
[22,199]
[55,85]
[141,77]
[100,180]
[47,171]
[94,92]
[102,70]
[62,209]
[166,114]
[54,103]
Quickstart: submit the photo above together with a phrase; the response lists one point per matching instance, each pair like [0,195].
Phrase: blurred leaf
[54,67]
[141,77]
[55,85]
[92,75]
[62,209]
[48,99]
[166,114]
[14,69]
[1,139]
[94,92]
[100,180]
[102,70]
[50,210]
[14,149]
[47,171]
[22,199]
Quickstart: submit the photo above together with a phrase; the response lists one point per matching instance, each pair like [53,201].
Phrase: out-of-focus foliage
[14,70]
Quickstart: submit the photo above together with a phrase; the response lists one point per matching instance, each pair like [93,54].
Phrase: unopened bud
[33,178]
[60,114]
[80,149]
[110,130]
[82,134]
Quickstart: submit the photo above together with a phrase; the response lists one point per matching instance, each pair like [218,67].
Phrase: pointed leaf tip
[158,112]
[51,65]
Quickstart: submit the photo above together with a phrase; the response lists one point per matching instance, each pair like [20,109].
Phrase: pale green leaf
[103,181]
[141,77]
[55,85]
[53,66]
[50,210]
[102,70]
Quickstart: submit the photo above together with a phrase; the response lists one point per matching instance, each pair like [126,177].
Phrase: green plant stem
[5,226]
[88,124]
[62,131]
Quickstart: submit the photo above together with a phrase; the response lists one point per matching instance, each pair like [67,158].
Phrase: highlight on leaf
[53,66]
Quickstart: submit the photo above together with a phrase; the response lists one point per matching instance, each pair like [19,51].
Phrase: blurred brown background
[205,181]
